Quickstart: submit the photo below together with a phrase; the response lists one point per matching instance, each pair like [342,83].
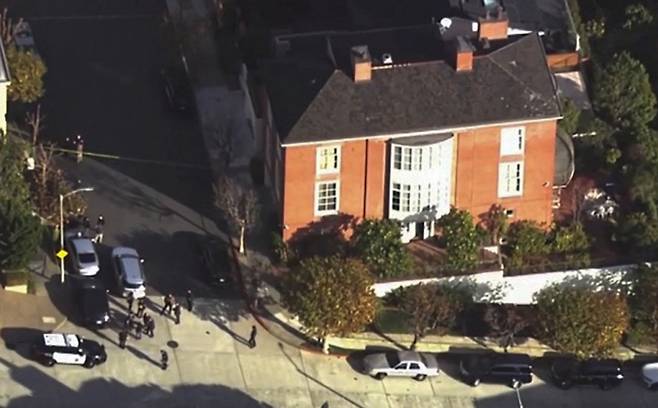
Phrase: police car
[62,348]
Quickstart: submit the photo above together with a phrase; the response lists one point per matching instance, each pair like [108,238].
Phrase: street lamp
[61,223]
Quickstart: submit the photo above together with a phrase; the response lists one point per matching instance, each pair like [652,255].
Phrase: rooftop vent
[387,59]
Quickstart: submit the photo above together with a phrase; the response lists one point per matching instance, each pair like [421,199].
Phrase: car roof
[61,340]
[513,358]
[601,365]
[650,370]
[82,245]
[131,264]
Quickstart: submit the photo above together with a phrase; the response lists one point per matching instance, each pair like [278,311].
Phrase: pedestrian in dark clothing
[100,221]
[177,312]
[123,337]
[131,299]
[164,359]
[168,304]
[252,337]
[138,329]
[150,327]
[127,324]
[86,224]
[189,299]
[141,308]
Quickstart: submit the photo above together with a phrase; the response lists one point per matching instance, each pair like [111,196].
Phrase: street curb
[256,316]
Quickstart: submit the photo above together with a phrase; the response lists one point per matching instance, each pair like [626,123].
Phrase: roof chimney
[361,63]
[463,55]
[494,26]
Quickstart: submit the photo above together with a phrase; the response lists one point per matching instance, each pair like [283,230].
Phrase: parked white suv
[129,272]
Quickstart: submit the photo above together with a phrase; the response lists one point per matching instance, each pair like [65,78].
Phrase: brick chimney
[361,63]
[494,26]
[462,55]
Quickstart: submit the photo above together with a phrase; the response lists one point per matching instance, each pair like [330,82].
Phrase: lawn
[392,320]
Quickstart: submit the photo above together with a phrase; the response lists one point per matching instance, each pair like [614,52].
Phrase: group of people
[82,221]
[172,305]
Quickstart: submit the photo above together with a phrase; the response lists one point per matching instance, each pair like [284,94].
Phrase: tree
[377,243]
[622,92]
[433,307]
[570,116]
[581,321]
[19,233]
[239,203]
[637,15]
[461,239]
[505,322]
[331,296]
[27,71]
[644,298]
[638,233]
[526,241]
[572,242]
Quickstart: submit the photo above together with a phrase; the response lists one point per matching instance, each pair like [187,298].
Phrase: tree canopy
[526,241]
[377,243]
[27,70]
[622,92]
[580,321]
[461,239]
[331,296]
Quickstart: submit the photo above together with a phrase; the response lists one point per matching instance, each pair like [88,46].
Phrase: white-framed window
[411,158]
[510,179]
[327,195]
[412,198]
[328,159]
[512,140]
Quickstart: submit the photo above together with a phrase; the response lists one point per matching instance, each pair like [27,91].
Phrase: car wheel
[653,387]
[49,362]
[89,363]
[420,377]
[475,382]
[380,376]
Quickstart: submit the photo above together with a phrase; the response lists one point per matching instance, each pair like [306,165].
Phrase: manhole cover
[172,343]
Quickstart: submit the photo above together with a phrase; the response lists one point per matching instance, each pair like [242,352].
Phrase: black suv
[507,368]
[91,297]
[604,373]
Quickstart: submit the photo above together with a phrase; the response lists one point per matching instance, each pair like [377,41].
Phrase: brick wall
[476,181]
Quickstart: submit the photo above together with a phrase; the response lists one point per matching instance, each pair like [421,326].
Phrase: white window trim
[513,131]
[318,156]
[316,198]
[501,186]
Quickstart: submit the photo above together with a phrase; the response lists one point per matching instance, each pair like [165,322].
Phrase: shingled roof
[314,98]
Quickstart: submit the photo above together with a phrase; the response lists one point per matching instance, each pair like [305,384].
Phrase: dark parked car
[215,261]
[603,373]
[504,368]
[177,90]
[65,348]
[91,297]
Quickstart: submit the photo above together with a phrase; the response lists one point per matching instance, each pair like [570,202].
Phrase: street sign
[61,254]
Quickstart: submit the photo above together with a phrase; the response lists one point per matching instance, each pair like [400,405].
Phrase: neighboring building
[405,123]
[5,80]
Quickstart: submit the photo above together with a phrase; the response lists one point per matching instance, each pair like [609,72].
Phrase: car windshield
[87,258]
[131,285]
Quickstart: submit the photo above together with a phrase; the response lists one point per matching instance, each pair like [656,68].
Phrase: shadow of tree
[325,237]
[43,388]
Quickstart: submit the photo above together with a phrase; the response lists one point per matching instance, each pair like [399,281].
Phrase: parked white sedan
[401,364]
[650,375]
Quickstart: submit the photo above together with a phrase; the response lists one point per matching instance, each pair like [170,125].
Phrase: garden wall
[493,287]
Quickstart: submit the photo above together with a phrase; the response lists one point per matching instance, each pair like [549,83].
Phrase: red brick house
[405,123]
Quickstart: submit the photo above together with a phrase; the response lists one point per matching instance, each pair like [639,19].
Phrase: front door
[420,230]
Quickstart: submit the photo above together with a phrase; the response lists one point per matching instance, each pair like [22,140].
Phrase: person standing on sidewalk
[177,312]
[138,329]
[141,307]
[164,359]
[168,304]
[189,299]
[252,337]
[123,337]
[149,325]
[130,299]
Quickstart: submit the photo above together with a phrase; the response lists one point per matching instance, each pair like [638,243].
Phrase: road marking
[48,319]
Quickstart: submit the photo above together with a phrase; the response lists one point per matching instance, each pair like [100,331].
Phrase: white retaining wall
[493,287]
